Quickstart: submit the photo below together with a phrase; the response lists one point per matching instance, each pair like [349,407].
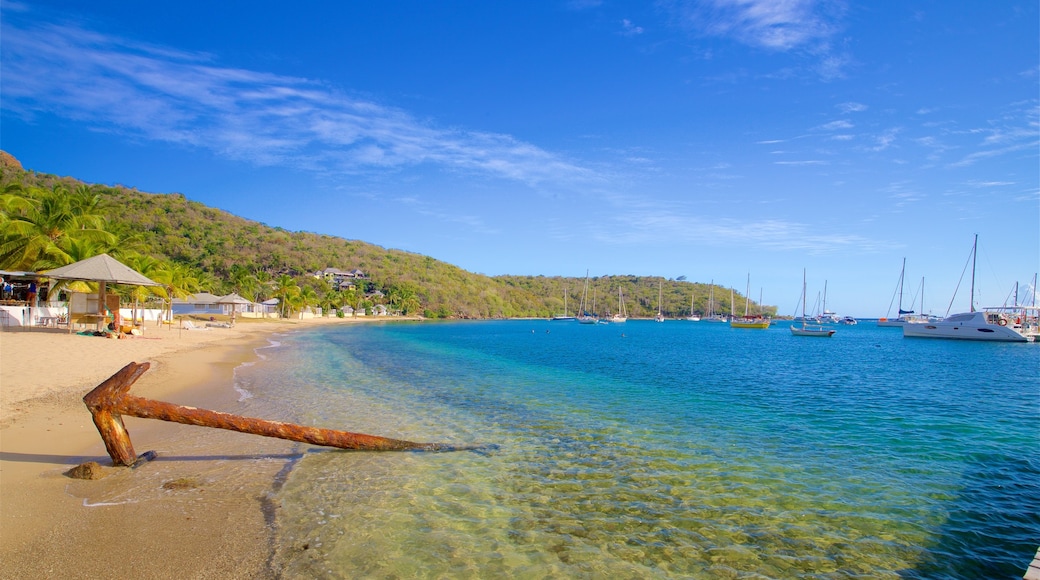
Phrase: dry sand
[179,515]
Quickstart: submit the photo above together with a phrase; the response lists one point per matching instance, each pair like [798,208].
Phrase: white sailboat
[693,316]
[827,317]
[805,329]
[998,324]
[622,311]
[711,316]
[903,317]
[583,316]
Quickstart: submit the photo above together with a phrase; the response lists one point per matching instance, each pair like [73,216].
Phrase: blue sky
[703,138]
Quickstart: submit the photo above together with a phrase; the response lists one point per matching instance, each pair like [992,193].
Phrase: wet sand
[178,515]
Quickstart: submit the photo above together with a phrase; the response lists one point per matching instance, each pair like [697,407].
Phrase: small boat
[805,329]
[748,320]
[997,324]
[848,320]
[622,313]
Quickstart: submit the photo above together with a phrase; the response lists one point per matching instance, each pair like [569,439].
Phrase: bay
[645,450]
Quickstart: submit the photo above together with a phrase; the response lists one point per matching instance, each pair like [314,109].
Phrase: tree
[41,227]
[178,280]
[286,290]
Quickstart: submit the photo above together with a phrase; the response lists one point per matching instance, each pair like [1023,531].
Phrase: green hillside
[218,252]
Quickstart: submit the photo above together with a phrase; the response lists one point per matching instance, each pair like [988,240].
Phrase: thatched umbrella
[103,269]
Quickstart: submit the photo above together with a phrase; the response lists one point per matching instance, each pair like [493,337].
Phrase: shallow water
[646,450]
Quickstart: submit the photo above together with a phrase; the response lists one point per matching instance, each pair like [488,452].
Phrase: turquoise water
[643,450]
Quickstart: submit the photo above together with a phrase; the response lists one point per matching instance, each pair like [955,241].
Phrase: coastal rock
[88,470]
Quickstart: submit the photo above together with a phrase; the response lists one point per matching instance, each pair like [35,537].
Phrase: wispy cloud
[166,95]
[657,225]
[773,24]
[836,125]
[852,107]
[629,29]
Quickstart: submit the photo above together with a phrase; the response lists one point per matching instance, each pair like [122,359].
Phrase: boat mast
[1034,289]
[803,298]
[747,295]
[711,298]
[974,254]
[902,273]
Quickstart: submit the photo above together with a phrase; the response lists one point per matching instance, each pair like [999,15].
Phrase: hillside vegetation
[191,247]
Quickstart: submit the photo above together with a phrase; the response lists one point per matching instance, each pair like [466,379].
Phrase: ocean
[646,450]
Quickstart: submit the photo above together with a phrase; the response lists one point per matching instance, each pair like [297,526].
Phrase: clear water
[643,450]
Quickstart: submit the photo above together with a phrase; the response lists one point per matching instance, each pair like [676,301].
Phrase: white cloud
[852,107]
[774,24]
[185,98]
[836,125]
[629,29]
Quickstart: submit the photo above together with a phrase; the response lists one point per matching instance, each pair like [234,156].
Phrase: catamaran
[999,324]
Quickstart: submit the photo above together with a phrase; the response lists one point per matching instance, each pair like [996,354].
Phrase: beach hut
[232,304]
[104,270]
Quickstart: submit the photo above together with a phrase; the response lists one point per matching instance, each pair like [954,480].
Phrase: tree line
[48,221]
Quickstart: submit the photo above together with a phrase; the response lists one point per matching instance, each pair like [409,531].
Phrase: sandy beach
[177,515]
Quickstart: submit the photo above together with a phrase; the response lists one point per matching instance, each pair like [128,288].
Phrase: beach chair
[187,325]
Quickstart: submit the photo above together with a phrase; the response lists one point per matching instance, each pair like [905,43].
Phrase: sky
[716,140]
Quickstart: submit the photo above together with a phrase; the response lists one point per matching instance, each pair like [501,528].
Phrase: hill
[224,249]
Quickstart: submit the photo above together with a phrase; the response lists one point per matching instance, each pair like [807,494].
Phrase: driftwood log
[110,400]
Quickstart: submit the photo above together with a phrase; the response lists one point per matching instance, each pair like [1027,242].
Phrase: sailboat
[1000,324]
[805,329]
[748,321]
[827,317]
[583,316]
[692,317]
[563,316]
[902,318]
[711,315]
[660,294]
[622,312]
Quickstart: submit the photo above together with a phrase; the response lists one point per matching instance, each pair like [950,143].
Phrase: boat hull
[749,323]
[968,326]
[818,332]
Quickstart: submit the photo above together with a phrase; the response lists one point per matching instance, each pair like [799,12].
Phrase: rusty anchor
[110,400]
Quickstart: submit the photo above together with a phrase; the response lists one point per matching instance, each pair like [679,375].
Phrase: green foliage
[49,221]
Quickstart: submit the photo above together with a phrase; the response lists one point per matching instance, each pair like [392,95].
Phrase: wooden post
[111,399]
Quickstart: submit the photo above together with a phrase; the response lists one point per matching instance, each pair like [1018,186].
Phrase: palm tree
[178,280]
[39,229]
[307,297]
[286,289]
